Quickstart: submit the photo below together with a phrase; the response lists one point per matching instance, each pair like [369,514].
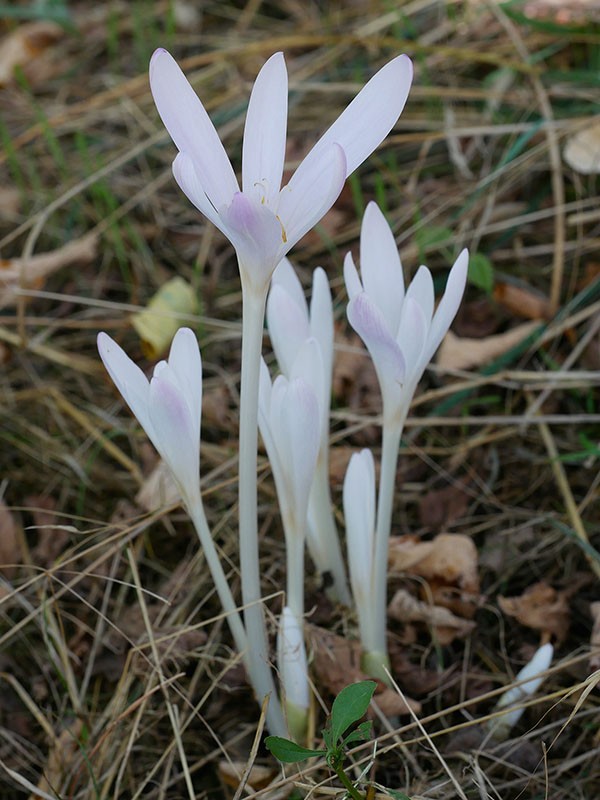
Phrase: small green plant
[348,707]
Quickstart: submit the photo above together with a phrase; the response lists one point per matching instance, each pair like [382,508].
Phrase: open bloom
[264,221]
[400,330]
[168,407]
[359,513]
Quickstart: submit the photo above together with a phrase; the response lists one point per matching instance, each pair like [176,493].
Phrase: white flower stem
[196,512]
[392,431]
[327,553]
[295,571]
[253,309]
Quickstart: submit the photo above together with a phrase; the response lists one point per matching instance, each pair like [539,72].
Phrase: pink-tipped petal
[368,322]
[372,114]
[128,378]
[448,306]
[264,133]
[380,266]
[288,327]
[257,236]
[421,290]
[176,437]
[353,285]
[190,127]
[313,189]
[285,276]
[186,363]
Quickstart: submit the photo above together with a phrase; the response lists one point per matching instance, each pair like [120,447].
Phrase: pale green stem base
[253,309]
[373,662]
[294,546]
[323,543]
[297,720]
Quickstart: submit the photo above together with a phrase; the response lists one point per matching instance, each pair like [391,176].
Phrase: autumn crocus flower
[401,332]
[169,408]
[293,672]
[264,221]
[291,324]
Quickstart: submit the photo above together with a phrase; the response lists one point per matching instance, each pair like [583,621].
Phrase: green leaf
[329,743]
[349,706]
[360,734]
[481,272]
[397,795]
[290,752]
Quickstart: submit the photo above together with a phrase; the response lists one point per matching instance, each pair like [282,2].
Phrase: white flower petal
[264,133]
[368,322]
[321,322]
[448,306]
[412,339]
[359,514]
[288,327]
[380,266]
[372,114]
[285,276]
[128,378]
[353,285]
[291,658]
[421,290]
[257,235]
[176,438]
[299,443]
[308,365]
[187,179]
[186,363]
[190,127]
[313,189]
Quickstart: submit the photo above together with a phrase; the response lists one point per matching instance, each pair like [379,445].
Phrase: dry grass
[98,589]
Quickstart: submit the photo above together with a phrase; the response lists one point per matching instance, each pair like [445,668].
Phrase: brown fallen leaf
[449,557]
[10,547]
[441,506]
[542,608]
[595,637]
[10,201]
[216,410]
[23,48]
[336,664]
[447,626]
[462,353]
[15,272]
[523,302]
[158,490]
[51,538]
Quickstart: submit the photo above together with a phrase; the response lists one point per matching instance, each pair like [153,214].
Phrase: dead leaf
[215,408]
[450,557]
[542,608]
[595,637]
[15,272]
[354,383]
[582,151]
[158,490]
[259,777]
[10,548]
[523,302]
[10,202]
[441,506]
[462,353]
[406,608]
[23,48]
[51,539]
[336,663]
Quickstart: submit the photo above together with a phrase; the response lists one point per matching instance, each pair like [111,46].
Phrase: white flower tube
[291,325]
[401,333]
[293,672]
[542,658]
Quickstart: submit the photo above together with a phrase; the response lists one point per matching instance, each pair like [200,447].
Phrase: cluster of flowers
[399,328]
